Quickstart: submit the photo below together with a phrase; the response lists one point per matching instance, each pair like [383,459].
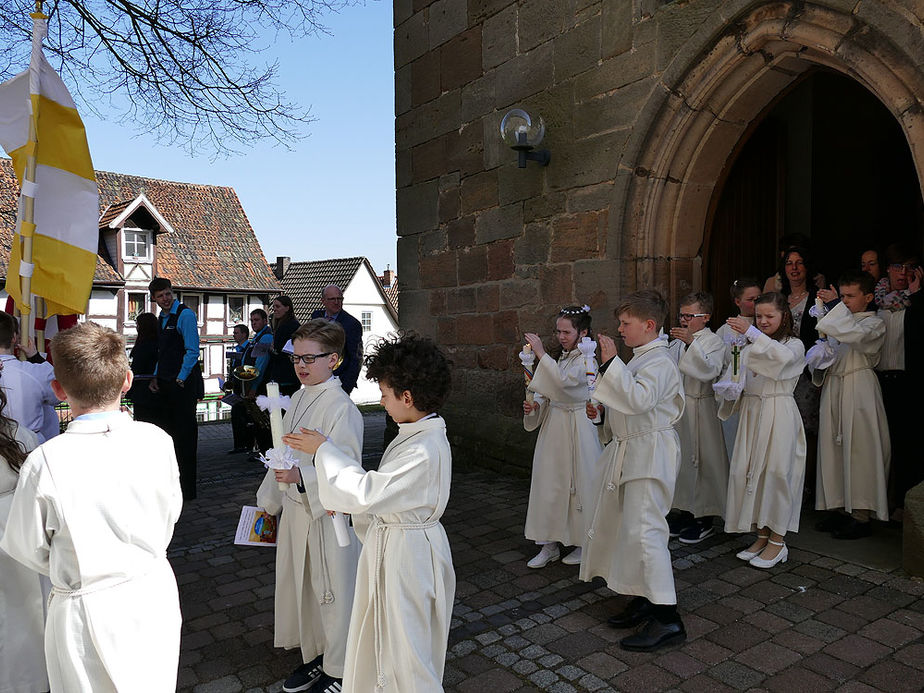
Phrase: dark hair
[898,253]
[578,317]
[8,329]
[807,260]
[159,284]
[147,327]
[260,312]
[739,286]
[407,361]
[287,302]
[646,304]
[781,303]
[327,333]
[242,326]
[11,449]
[703,298]
[864,280]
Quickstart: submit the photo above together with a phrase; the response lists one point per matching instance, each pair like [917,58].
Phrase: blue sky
[333,194]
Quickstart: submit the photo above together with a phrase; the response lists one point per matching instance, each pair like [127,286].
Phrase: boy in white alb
[315,576]
[406,583]
[853,440]
[628,535]
[95,509]
[703,479]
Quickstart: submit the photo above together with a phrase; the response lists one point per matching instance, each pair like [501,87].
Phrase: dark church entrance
[827,161]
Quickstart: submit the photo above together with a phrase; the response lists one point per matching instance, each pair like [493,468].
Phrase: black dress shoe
[854,529]
[637,611]
[833,522]
[655,635]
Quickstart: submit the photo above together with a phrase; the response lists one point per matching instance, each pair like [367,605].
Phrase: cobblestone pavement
[813,624]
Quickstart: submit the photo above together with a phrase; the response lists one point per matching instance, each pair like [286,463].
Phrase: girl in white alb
[768,465]
[568,446]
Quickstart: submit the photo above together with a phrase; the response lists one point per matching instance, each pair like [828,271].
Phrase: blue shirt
[264,336]
[189,328]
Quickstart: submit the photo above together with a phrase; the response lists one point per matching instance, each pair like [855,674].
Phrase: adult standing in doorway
[348,371]
[178,379]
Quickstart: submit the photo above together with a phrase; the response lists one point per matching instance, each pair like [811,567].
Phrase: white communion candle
[340,529]
[275,414]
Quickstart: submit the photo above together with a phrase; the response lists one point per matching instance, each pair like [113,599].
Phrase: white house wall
[362,294]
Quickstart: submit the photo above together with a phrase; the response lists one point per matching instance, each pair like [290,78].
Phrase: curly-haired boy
[405,582]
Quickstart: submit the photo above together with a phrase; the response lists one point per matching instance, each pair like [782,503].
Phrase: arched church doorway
[825,160]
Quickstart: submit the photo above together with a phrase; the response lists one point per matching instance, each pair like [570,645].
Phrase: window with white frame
[236,310]
[366,320]
[194,303]
[136,244]
[135,304]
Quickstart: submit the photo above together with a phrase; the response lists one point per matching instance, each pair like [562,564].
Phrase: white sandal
[781,557]
[746,555]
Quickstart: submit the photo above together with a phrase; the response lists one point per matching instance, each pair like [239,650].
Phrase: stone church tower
[686,137]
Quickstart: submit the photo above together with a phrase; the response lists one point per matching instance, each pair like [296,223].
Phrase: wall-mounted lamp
[523,132]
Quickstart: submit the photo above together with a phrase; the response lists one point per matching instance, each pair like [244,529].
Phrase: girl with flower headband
[567,448]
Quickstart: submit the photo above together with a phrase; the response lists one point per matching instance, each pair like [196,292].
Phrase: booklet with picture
[256,527]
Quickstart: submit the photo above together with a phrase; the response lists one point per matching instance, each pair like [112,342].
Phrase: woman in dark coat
[144,359]
[284,325]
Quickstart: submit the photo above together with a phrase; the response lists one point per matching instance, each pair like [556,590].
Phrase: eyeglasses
[899,267]
[690,316]
[333,298]
[307,359]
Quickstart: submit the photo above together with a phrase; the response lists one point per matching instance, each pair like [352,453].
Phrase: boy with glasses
[699,496]
[315,576]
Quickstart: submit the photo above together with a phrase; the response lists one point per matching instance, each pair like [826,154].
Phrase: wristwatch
[181,383]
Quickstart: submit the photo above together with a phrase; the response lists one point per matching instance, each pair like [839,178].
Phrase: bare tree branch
[184,71]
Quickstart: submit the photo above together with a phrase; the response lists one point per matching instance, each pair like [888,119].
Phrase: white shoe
[573,558]
[781,557]
[746,555]
[548,554]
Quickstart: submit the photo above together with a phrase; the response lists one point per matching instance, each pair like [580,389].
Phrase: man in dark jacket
[178,379]
[348,372]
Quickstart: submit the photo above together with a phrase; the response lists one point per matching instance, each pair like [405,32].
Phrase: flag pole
[27,228]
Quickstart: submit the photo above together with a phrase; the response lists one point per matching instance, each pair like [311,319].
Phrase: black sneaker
[305,677]
[327,684]
[679,520]
[695,533]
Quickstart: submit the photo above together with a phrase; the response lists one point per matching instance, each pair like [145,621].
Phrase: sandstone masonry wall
[487,251]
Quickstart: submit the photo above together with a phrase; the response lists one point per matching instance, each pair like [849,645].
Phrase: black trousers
[178,419]
[906,470]
[242,428]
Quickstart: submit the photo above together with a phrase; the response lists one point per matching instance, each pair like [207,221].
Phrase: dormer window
[136,245]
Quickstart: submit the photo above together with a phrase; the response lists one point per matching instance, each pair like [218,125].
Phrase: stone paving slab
[815,623]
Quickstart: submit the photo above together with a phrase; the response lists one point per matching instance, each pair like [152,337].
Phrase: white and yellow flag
[65,199]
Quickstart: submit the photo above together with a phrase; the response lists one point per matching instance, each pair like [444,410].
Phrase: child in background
[853,441]
[95,509]
[703,479]
[406,583]
[628,534]
[561,492]
[743,292]
[22,613]
[768,466]
[315,576]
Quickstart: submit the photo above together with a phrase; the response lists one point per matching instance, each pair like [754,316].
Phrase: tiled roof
[9,199]
[391,292]
[304,281]
[213,247]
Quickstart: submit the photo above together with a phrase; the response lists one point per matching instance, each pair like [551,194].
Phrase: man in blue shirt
[178,379]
